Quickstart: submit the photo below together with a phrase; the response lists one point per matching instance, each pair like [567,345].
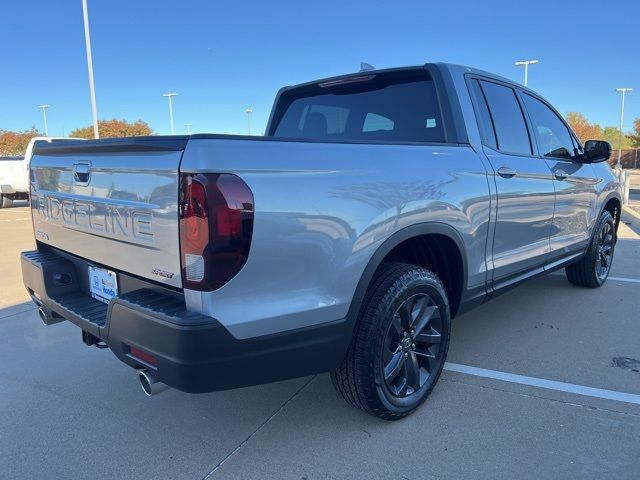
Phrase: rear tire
[5,201]
[593,269]
[399,345]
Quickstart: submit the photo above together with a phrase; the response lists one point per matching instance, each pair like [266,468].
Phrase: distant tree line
[594,131]
[114,128]
[15,143]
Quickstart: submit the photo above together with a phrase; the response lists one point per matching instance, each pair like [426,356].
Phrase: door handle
[506,172]
[560,174]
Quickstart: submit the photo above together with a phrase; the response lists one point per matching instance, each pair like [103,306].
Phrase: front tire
[593,269]
[400,343]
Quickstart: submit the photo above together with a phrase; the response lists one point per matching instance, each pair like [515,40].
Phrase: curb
[630,211]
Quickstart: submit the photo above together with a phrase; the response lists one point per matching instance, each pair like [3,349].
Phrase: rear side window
[484,117]
[393,107]
[507,118]
[552,135]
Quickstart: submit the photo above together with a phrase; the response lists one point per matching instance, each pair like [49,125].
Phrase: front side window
[508,120]
[552,135]
[398,107]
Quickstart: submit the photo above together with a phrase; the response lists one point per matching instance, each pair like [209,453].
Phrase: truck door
[524,184]
[574,181]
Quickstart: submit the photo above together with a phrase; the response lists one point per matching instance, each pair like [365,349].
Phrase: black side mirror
[596,151]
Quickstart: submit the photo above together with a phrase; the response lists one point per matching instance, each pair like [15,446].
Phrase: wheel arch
[428,231]
[613,204]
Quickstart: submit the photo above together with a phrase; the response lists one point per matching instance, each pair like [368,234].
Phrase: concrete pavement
[69,411]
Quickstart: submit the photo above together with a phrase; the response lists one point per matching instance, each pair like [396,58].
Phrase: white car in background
[14,173]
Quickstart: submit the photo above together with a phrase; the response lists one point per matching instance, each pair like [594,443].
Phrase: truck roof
[453,68]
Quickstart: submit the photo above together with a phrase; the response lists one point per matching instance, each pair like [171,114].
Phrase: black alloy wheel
[592,270]
[604,251]
[412,345]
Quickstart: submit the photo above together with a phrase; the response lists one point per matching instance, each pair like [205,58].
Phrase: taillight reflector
[143,356]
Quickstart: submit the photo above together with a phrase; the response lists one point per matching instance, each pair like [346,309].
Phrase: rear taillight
[216,224]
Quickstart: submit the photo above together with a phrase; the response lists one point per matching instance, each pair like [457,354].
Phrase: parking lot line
[614,279]
[542,383]
[623,279]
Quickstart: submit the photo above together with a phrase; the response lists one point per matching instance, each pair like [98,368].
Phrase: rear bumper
[194,353]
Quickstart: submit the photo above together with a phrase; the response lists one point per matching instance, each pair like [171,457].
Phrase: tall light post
[249,112]
[44,113]
[188,125]
[92,89]
[170,96]
[526,64]
[623,91]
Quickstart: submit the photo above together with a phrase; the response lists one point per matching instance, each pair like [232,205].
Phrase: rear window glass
[386,108]
[373,122]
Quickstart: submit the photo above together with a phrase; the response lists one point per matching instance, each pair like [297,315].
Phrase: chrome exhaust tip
[48,318]
[150,385]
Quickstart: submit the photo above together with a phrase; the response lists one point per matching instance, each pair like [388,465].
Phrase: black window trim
[475,102]
[532,141]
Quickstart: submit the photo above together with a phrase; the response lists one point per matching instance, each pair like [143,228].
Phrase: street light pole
[188,125]
[526,64]
[249,112]
[92,89]
[170,96]
[44,113]
[623,91]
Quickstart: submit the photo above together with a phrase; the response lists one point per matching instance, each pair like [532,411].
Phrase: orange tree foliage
[583,129]
[15,143]
[594,131]
[114,128]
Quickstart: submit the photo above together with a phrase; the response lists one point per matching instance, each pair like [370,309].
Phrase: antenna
[365,67]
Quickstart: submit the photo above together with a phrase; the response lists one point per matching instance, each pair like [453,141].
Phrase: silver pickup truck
[379,206]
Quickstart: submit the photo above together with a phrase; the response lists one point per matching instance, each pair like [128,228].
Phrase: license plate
[103,284]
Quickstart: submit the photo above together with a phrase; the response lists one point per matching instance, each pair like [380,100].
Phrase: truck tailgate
[113,202]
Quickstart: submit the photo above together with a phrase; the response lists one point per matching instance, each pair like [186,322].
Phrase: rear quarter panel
[322,210]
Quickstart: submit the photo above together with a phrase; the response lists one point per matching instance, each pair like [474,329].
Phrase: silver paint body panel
[321,212]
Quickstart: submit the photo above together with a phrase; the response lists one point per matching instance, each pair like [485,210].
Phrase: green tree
[634,136]
[612,135]
[114,128]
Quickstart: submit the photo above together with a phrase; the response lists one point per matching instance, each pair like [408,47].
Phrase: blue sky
[222,57]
